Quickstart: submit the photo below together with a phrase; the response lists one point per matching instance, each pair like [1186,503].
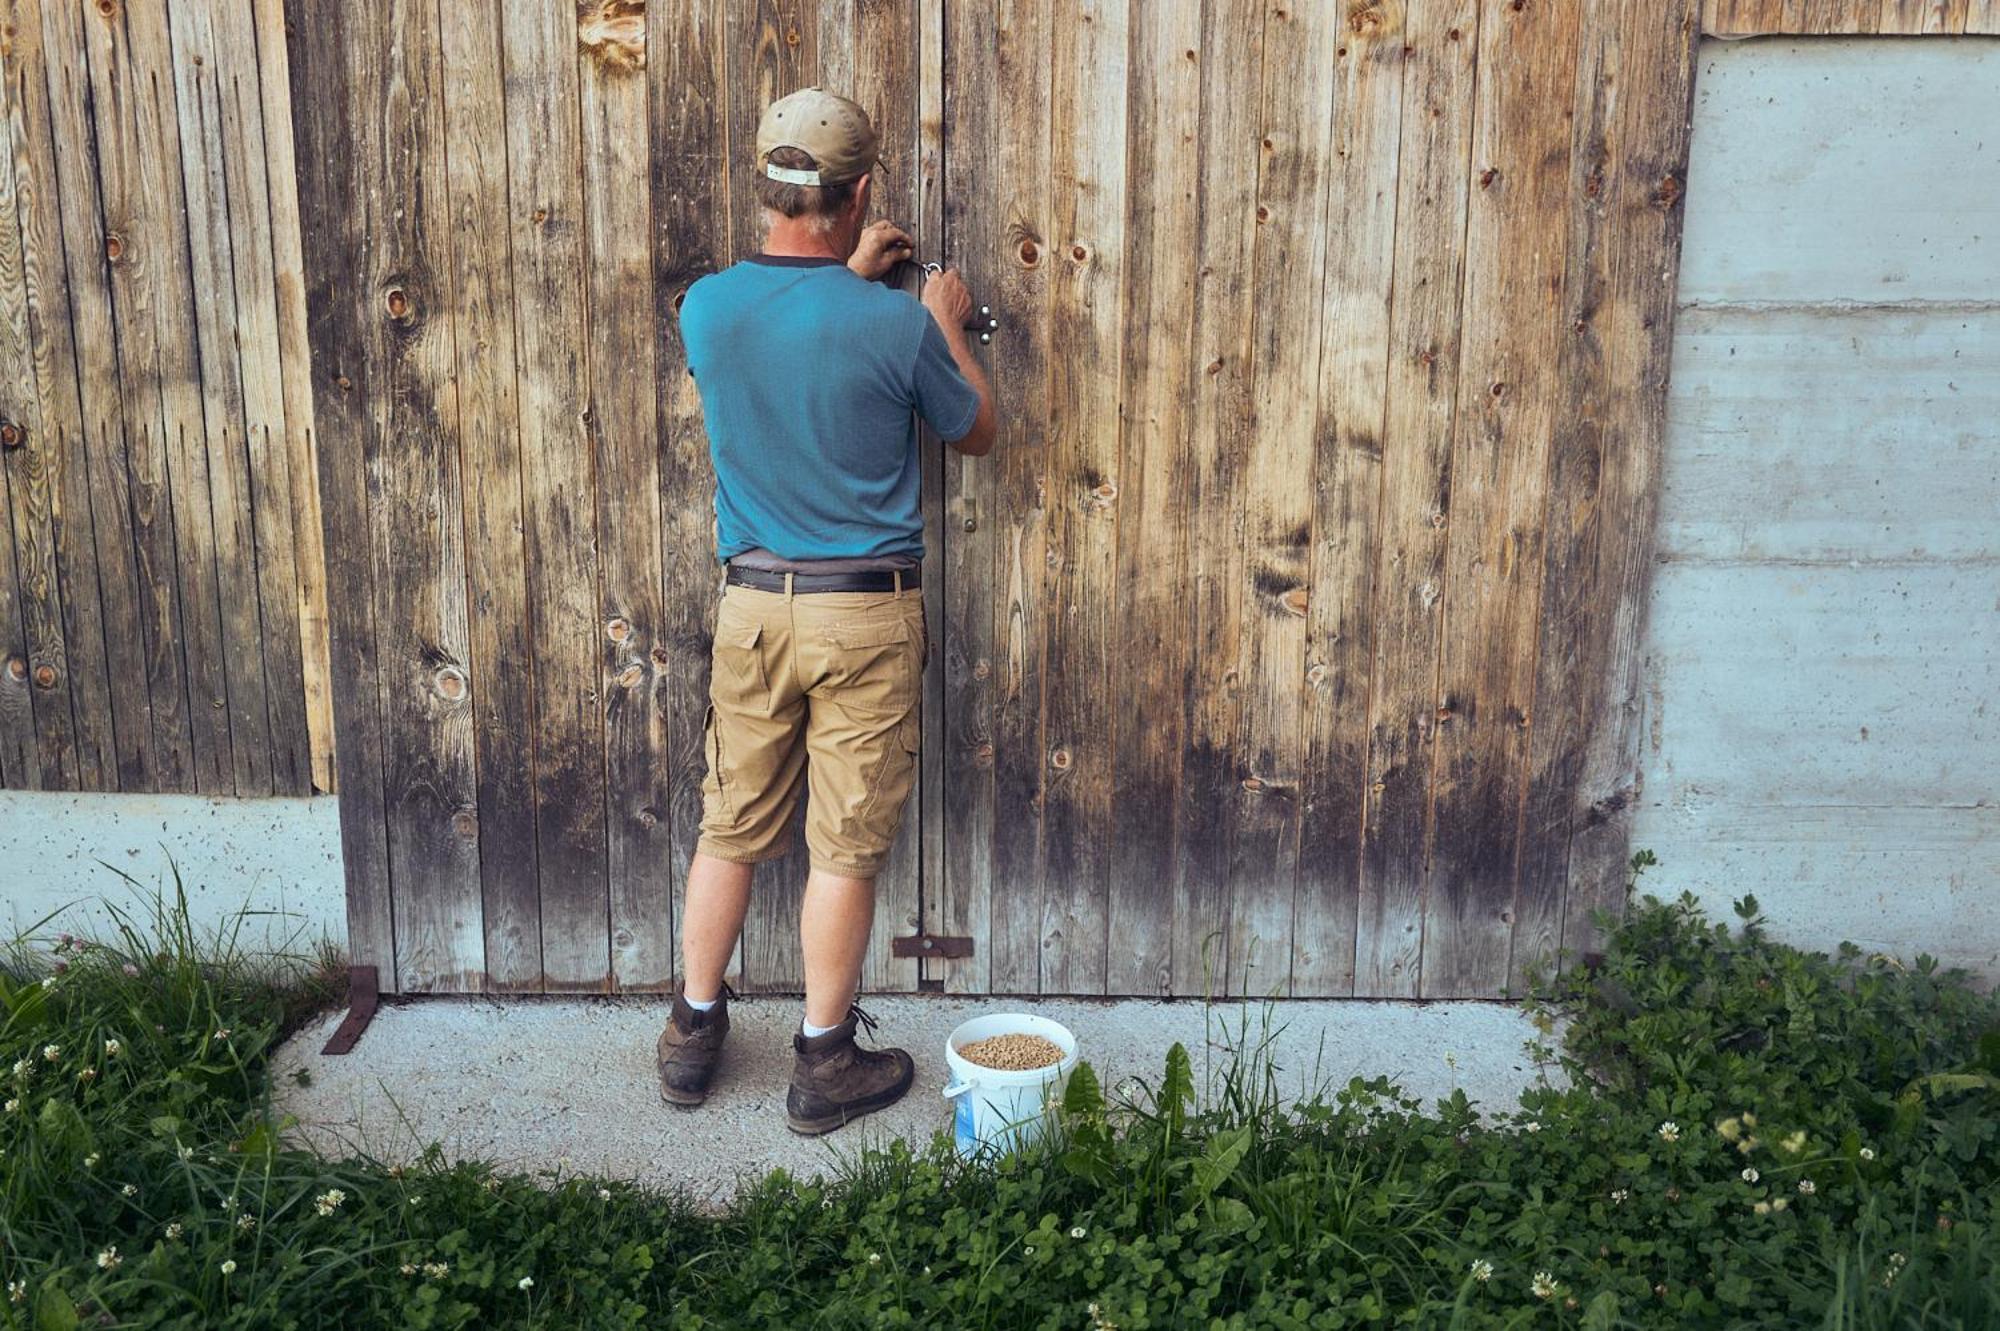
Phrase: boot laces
[861,1019]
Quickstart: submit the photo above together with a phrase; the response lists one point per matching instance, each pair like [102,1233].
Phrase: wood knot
[1427,357]
[1189,53]
[1263,213]
[1078,253]
[1060,760]
[659,656]
[632,675]
[108,8]
[539,216]
[465,823]
[1030,252]
[114,247]
[1317,675]
[1255,785]
[791,36]
[397,301]
[618,628]
[343,381]
[17,669]
[12,434]
[1453,34]
[983,755]
[1268,145]
[1295,601]
[982,669]
[1488,176]
[1667,192]
[1103,494]
[613,33]
[450,683]
[1437,518]
[1498,390]
[1215,366]
[45,676]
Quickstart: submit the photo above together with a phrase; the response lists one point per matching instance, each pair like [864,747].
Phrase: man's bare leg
[712,910]
[833,934]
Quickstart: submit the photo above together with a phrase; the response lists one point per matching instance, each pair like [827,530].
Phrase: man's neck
[796,238]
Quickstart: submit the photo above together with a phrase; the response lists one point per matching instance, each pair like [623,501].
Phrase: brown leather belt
[804,584]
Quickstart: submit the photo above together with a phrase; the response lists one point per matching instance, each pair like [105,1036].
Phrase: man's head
[815,151]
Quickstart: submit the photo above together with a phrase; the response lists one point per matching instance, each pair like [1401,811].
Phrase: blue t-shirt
[808,375]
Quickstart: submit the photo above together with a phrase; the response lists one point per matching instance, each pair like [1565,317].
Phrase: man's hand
[946,297]
[882,246]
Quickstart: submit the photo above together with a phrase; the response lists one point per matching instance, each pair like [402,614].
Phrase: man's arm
[950,304]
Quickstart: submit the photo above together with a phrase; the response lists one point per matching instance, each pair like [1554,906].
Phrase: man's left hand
[883,245]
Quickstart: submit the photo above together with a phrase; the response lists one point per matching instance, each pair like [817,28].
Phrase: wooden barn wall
[1285,645]
[162,605]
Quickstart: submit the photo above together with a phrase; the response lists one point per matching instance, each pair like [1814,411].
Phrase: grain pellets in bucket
[1004,1079]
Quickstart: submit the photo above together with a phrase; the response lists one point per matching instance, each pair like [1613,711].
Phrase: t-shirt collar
[795,260]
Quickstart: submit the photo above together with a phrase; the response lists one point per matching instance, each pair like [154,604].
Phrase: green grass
[150,1186]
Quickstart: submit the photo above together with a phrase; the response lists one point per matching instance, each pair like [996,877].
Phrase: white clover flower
[1795,1143]
[1749,1176]
[129,1190]
[1867,1153]
[1482,1270]
[1808,1187]
[185,1152]
[1028,1251]
[491,1185]
[875,1258]
[1730,1129]
[109,1260]
[17,1291]
[131,971]
[13,1105]
[51,1052]
[1747,1145]
[23,1068]
[112,1049]
[49,982]
[1618,1196]
[1780,1203]
[90,1161]
[1531,1125]
[416,1199]
[1762,1208]
[437,1270]
[246,1222]
[173,1230]
[222,1033]
[229,1267]
[227,1204]
[408,1268]
[604,1194]
[525,1282]
[1077,1231]
[1670,1131]
[87,1074]
[329,1201]
[1544,1285]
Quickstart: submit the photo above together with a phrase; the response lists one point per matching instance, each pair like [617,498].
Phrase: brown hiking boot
[690,1047]
[836,1081]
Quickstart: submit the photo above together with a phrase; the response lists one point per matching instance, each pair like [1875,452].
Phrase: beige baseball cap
[829,128]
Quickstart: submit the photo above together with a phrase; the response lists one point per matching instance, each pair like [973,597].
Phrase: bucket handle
[955,1088]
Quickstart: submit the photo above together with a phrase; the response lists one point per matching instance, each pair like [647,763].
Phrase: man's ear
[863,189]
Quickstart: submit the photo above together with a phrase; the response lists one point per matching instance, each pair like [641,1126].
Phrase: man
[811,372]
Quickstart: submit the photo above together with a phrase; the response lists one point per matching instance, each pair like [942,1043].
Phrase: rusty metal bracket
[920,946]
[364,995]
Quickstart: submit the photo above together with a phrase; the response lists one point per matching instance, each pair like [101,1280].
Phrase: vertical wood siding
[162,595]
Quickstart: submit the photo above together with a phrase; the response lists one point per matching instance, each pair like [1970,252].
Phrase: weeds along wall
[1287,643]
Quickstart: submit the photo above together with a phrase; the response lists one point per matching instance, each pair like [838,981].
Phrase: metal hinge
[920,946]
[364,994]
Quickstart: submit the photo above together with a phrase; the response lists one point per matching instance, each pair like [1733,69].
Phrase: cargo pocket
[873,663]
[717,805]
[739,650]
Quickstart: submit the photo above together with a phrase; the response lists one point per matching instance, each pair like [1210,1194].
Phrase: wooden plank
[1431,208]
[239,143]
[547,226]
[1089,53]
[294,356]
[1636,325]
[1829,17]
[1231,55]
[106,178]
[1362,170]
[335,76]
[1744,18]
[1923,17]
[135,77]
[773,50]
[927,815]
[1512,328]
[1288,270]
[20,766]
[1162,222]
[500,659]
[1017,45]
[34,471]
[1983,16]
[619,259]
[689,115]
[215,315]
[106,679]
[888,78]
[405,297]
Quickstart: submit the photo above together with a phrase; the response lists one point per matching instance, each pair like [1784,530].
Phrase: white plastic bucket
[1001,1111]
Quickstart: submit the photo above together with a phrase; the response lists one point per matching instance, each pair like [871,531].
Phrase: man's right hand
[946,297]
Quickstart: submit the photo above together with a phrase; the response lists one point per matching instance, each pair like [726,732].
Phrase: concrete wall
[1824,642]
[270,867]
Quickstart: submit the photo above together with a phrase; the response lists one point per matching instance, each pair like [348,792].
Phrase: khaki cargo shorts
[815,693]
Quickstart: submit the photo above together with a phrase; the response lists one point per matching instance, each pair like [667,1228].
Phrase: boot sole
[846,1114]
[682,1099]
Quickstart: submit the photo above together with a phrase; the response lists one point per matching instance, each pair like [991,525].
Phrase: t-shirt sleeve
[944,398]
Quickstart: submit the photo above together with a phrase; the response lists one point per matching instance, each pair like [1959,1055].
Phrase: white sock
[812,1030]
[703,1007]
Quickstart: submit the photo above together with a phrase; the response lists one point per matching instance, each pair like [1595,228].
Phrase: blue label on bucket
[961,1123]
